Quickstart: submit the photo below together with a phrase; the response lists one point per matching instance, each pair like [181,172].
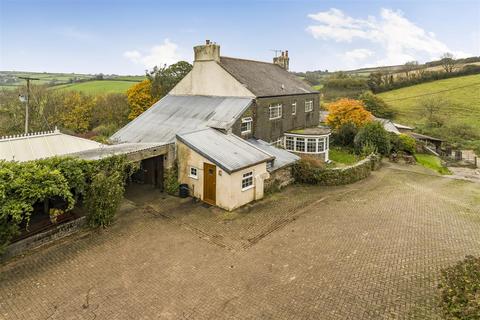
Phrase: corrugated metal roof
[180,114]
[263,78]
[282,157]
[387,125]
[229,152]
[42,145]
[116,149]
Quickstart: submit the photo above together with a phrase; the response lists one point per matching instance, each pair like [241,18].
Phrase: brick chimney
[283,60]
[210,51]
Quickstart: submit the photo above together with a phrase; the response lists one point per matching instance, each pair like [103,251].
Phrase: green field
[432,162]
[73,81]
[99,86]
[463,92]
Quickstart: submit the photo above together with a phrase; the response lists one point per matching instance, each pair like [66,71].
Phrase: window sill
[193,177]
[247,188]
[246,132]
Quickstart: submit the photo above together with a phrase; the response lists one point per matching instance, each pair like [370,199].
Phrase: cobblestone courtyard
[370,250]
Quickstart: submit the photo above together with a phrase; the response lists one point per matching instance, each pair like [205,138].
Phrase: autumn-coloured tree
[347,111]
[139,98]
[77,109]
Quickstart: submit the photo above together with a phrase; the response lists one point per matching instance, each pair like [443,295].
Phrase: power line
[431,93]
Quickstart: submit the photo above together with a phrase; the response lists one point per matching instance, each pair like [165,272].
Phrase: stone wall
[279,179]
[39,239]
[305,172]
[271,130]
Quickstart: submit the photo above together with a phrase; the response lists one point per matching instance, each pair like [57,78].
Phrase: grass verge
[432,162]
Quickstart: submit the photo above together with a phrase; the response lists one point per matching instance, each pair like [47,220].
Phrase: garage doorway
[152,169]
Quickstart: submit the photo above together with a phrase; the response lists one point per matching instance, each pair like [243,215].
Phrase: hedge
[460,290]
[23,185]
[305,172]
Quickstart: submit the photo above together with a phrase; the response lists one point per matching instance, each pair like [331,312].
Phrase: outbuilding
[221,169]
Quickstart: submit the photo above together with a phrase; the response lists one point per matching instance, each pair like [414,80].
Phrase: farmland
[99,86]
[87,83]
[462,92]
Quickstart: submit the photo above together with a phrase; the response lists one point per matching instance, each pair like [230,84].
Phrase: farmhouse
[223,120]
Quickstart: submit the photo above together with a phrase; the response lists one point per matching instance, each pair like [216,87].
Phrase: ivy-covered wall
[306,172]
[100,184]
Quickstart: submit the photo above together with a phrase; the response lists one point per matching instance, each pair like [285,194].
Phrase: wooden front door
[209,183]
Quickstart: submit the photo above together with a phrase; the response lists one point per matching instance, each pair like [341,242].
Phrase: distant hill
[88,83]
[461,117]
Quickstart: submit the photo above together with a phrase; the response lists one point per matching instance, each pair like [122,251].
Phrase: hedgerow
[22,185]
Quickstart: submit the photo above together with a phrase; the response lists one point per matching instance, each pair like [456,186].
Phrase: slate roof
[228,151]
[179,114]
[42,145]
[264,79]
[282,157]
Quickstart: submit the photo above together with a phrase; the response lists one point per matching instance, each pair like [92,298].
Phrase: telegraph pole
[28,100]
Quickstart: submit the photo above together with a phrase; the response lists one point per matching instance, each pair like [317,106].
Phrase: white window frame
[308,105]
[247,176]
[294,108]
[248,121]
[319,141]
[193,175]
[277,111]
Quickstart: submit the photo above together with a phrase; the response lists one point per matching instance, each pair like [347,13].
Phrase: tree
[139,98]
[432,110]
[376,105]
[163,79]
[110,109]
[373,134]
[77,110]
[347,110]
[409,67]
[448,62]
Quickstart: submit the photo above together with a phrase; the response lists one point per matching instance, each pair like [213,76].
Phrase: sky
[128,37]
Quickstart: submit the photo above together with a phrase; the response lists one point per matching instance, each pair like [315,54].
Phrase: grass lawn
[342,156]
[432,162]
[99,86]
[463,92]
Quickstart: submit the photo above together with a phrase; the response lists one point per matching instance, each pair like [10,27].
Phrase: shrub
[103,198]
[407,144]
[375,135]
[460,289]
[345,134]
[305,172]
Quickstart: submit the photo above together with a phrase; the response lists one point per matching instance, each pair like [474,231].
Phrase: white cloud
[158,55]
[358,54]
[400,39]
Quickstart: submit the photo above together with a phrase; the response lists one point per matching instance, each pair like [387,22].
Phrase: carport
[153,159]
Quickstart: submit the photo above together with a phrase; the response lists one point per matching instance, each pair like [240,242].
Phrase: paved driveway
[370,250]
